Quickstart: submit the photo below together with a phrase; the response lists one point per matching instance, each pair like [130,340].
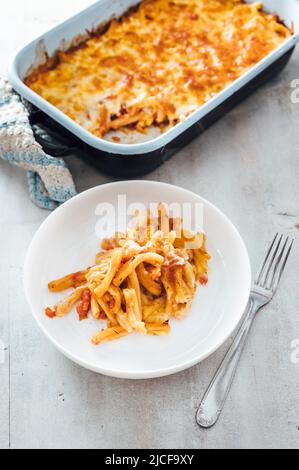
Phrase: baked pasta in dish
[157,64]
[140,280]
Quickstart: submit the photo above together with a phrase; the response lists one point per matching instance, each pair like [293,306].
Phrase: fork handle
[215,397]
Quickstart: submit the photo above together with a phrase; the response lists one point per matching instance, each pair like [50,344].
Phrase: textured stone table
[248,165]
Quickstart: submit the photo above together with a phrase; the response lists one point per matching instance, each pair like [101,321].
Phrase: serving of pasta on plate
[141,279]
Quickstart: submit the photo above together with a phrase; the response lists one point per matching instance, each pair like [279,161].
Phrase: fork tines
[274,263]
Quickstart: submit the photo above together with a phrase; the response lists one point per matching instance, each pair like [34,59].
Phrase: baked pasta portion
[157,64]
[140,280]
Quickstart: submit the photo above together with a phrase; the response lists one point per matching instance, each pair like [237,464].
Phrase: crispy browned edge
[79,41]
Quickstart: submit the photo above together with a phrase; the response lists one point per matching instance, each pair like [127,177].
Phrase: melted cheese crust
[158,64]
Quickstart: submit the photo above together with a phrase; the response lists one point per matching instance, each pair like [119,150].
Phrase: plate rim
[137,375]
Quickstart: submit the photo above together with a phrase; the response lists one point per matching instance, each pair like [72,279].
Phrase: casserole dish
[123,159]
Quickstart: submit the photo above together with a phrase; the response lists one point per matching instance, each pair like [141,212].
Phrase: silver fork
[264,288]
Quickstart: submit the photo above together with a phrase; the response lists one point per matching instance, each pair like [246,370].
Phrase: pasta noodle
[137,284]
[157,64]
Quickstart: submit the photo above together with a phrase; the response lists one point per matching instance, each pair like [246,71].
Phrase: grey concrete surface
[248,165]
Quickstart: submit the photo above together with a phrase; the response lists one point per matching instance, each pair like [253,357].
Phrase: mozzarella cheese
[156,65]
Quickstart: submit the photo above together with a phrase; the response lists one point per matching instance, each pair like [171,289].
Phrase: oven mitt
[50,182]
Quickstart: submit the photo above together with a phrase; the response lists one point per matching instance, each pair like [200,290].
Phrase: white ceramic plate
[66,242]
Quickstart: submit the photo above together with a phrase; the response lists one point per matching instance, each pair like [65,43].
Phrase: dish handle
[54,141]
